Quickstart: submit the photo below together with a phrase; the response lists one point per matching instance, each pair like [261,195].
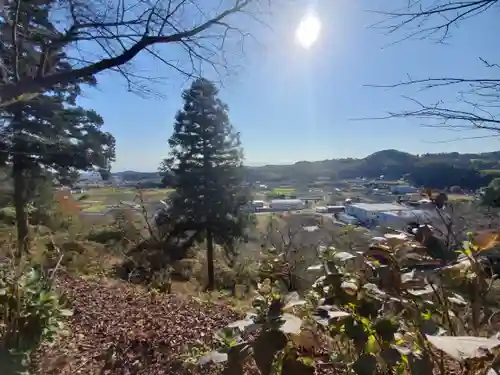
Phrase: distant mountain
[431,170]
[137,176]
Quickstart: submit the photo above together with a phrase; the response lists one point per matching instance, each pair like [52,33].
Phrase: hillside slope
[393,164]
[435,170]
[119,329]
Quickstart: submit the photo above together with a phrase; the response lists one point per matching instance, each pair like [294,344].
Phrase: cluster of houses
[393,215]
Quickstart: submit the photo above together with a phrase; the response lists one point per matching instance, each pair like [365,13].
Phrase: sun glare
[307,32]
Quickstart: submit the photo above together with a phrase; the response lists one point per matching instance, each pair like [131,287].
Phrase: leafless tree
[478,98]
[101,35]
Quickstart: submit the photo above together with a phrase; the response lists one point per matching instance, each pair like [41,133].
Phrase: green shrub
[32,312]
[105,235]
[240,271]
[79,257]
[367,314]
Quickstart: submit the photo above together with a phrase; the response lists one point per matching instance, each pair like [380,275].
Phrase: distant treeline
[468,171]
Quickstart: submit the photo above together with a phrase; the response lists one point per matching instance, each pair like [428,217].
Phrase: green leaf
[300,366]
[308,361]
[390,356]
[265,348]
[366,364]
[457,300]
[386,328]
[246,325]
[371,346]
[356,332]
[213,357]
[291,300]
[420,364]
[430,327]
[317,267]
[464,347]
[291,324]
[66,312]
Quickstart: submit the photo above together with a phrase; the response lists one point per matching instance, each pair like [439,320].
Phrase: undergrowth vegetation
[368,314]
[321,299]
[32,312]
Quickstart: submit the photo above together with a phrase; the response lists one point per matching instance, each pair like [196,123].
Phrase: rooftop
[378,207]
[286,201]
[410,213]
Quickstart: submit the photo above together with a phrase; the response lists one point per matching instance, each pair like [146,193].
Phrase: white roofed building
[287,204]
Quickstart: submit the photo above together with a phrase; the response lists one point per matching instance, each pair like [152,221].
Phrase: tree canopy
[47,134]
[109,36]
[469,171]
[206,165]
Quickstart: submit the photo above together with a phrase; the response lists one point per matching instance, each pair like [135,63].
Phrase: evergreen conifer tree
[205,167]
[50,132]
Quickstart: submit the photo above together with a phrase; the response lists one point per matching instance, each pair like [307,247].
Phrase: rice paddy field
[98,200]
[283,191]
[460,197]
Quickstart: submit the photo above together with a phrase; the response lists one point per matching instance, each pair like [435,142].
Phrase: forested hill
[435,170]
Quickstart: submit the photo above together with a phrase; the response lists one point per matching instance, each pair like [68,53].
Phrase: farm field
[97,200]
[494,172]
[460,197]
[283,191]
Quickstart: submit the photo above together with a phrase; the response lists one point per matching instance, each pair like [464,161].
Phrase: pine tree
[206,169]
[48,133]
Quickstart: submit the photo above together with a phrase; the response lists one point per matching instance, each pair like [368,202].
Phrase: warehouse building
[258,204]
[389,214]
[400,219]
[287,204]
[403,189]
[370,212]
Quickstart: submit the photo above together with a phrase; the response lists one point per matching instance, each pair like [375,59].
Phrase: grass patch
[114,195]
[157,193]
[460,197]
[263,221]
[283,191]
[489,172]
[394,182]
[108,191]
[94,208]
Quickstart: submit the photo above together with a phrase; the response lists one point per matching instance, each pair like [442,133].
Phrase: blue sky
[292,104]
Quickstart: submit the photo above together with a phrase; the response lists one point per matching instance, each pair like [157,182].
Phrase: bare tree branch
[431,18]
[122,30]
[478,99]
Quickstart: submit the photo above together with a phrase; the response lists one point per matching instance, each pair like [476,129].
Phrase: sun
[308,31]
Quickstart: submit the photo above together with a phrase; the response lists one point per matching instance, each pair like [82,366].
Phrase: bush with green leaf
[371,312]
[239,270]
[31,313]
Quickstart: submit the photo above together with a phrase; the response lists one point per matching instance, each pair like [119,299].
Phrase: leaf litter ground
[119,329]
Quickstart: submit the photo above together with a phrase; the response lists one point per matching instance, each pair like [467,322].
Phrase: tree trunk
[20,205]
[210,261]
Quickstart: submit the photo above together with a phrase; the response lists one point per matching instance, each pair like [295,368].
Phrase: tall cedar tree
[206,169]
[49,133]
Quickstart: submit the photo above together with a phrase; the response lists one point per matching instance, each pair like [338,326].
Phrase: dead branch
[476,104]
[118,32]
[425,19]
[475,108]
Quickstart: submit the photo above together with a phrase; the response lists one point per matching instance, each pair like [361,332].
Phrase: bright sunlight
[307,32]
